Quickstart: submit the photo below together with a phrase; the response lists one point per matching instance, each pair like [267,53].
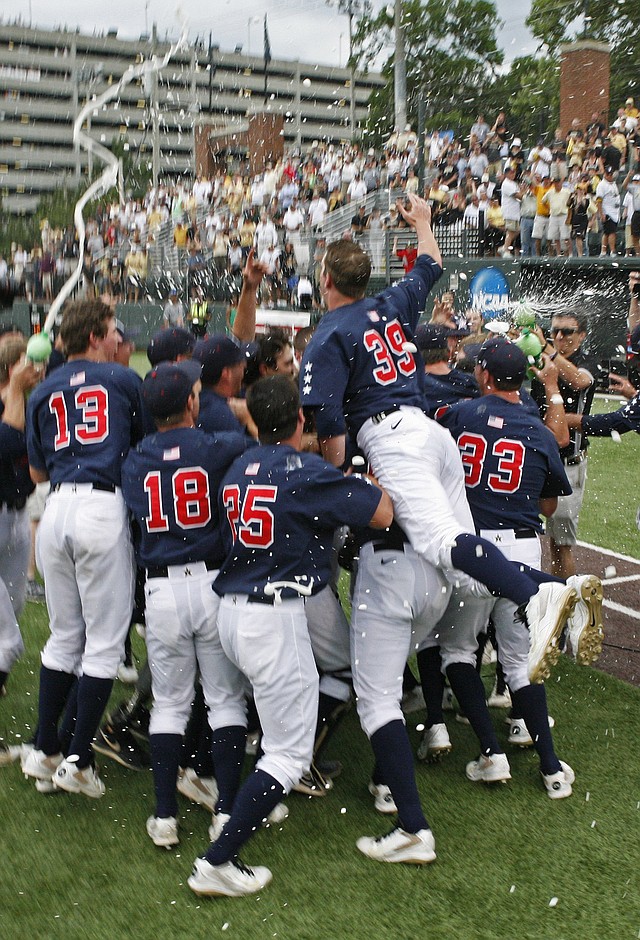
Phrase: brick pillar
[584,82]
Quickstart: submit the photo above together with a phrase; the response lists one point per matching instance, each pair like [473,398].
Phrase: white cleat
[585,623]
[232,879]
[545,615]
[499,699]
[410,848]
[558,785]
[435,742]
[218,822]
[202,790]
[83,780]
[489,768]
[383,801]
[519,733]
[163,832]
[39,765]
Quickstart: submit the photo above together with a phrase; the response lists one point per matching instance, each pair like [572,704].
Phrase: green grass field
[75,868]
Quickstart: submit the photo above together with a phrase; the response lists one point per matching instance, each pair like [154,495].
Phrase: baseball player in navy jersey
[223,367]
[359,370]
[513,472]
[170,483]
[17,376]
[281,507]
[81,422]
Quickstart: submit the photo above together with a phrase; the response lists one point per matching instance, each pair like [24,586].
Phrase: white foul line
[634,614]
[606,551]
[622,580]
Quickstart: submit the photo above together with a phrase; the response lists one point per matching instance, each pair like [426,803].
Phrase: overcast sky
[310,30]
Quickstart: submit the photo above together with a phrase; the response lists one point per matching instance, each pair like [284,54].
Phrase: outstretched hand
[254,271]
[418,211]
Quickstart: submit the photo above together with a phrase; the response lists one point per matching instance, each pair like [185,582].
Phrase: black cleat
[120,745]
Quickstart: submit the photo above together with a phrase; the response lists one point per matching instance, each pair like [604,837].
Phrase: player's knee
[449,657]
[375,715]
[232,714]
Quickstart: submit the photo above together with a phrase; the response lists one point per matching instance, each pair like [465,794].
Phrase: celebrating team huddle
[235,533]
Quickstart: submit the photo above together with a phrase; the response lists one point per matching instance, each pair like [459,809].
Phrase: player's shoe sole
[231,880]
[408,848]
[545,615]
[586,631]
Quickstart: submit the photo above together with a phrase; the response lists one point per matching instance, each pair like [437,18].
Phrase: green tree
[452,56]
[618,23]
[530,94]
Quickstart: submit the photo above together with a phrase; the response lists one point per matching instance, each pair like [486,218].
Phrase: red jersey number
[389,353]
[191,502]
[250,520]
[92,401]
[510,454]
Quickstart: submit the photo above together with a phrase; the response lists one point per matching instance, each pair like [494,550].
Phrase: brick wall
[584,82]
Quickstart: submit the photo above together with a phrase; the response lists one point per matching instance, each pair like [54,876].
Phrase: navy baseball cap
[503,360]
[216,352]
[433,336]
[125,336]
[166,388]
[167,345]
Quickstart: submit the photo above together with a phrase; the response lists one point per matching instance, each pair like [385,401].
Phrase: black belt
[101,487]
[394,541]
[261,599]
[14,506]
[525,533]
[379,418]
[574,459]
[162,571]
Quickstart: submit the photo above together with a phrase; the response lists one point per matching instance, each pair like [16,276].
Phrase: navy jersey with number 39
[510,460]
[357,363]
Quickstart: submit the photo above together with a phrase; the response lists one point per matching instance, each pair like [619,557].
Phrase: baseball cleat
[39,765]
[383,800]
[435,742]
[163,832]
[413,701]
[519,733]
[278,814]
[73,779]
[585,623]
[128,675]
[232,879]
[10,753]
[411,848]
[489,768]
[499,699]
[46,786]
[218,822]
[120,745]
[448,700]
[313,783]
[558,785]
[202,790]
[545,616]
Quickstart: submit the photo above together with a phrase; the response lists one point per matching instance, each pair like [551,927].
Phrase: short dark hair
[81,318]
[349,267]
[581,319]
[268,347]
[274,405]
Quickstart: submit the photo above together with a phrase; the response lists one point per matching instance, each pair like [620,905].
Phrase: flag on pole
[267,44]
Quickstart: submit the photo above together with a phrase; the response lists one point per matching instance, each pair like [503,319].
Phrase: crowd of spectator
[575,194]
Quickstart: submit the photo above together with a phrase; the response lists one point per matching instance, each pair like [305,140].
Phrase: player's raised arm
[244,325]
[418,215]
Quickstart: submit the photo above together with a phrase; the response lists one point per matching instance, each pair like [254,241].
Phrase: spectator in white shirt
[510,204]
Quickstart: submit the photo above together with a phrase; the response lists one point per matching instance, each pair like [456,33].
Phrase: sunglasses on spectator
[565,330]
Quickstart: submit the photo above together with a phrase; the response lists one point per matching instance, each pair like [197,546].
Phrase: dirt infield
[621,608]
